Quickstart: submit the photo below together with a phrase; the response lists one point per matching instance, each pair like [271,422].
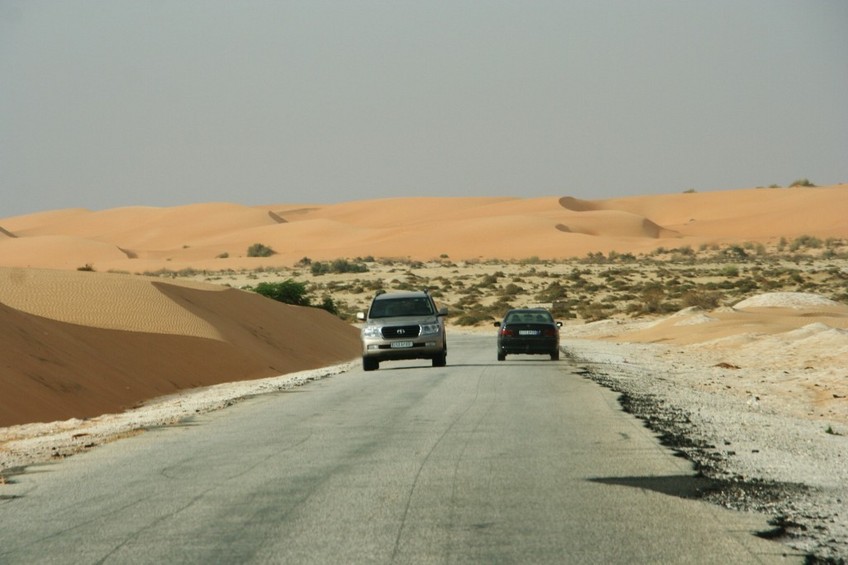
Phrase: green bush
[729,271]
[337,266]
[289,292]
[703,299]
[259,250]
[805,241]
[329,305]
[802,182]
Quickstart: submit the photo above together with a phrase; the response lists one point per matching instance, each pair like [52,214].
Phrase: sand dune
[577,205]
[216,236]
[59,252]
[614,223]
[79,344]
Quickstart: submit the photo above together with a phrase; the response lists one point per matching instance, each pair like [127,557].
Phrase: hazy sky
[112,103]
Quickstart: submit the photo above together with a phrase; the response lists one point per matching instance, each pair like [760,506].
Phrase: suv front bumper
[421,347]
[403,344]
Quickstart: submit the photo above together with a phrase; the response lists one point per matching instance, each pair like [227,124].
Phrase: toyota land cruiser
[403,325]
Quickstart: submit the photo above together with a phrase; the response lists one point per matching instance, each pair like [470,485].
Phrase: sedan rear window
[529,318]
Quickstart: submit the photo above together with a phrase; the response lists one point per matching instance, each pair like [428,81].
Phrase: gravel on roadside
[754,457]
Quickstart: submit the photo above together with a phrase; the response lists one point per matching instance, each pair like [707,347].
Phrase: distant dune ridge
[77,344]
[216,236]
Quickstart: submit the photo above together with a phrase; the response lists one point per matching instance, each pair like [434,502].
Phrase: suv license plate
[400,344]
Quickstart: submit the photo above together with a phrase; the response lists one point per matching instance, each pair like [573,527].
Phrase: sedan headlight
[429,329]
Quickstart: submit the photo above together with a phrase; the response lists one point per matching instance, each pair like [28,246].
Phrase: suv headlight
[371,332]
[429,329]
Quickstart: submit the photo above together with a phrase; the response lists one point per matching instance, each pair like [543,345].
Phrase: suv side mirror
[360,316]
[443,311]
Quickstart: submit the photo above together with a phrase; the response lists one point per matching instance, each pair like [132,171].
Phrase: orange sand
[78,344]
[217,236]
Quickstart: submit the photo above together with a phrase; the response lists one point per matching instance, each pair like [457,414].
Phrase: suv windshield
[392,307]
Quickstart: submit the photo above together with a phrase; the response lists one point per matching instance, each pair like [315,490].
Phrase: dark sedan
[528,330]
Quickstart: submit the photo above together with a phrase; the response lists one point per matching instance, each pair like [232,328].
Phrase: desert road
[521,461]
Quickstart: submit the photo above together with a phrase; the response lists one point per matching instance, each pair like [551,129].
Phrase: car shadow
[512,363]
[682,486]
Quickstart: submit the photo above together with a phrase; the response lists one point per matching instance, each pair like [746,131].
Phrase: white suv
[403,325]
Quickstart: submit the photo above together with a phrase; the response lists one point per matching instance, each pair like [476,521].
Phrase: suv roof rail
[381,291]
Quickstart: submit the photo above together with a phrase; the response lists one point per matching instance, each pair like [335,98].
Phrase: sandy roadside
[763,445]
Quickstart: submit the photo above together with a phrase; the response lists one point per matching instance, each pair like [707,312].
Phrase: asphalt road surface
[521,461]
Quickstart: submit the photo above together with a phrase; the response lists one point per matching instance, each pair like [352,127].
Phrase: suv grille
[401,331]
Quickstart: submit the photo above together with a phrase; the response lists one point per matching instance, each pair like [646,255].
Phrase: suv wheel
[370,364]
[441,360]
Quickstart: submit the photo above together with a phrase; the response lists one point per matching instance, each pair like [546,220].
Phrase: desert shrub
[594,311]
[729,271]
[562,309]
[319,268]
[345,266]
[87,267]
[652,298]
[734,252]
[259,250]
[336,266]
[746,285]
[576,277]
[553,292]
[511,290]
[288,291]
[490,280]
[807,241]
[802,182]
[596,257]
[223,255]
[703,299]
[328,304]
